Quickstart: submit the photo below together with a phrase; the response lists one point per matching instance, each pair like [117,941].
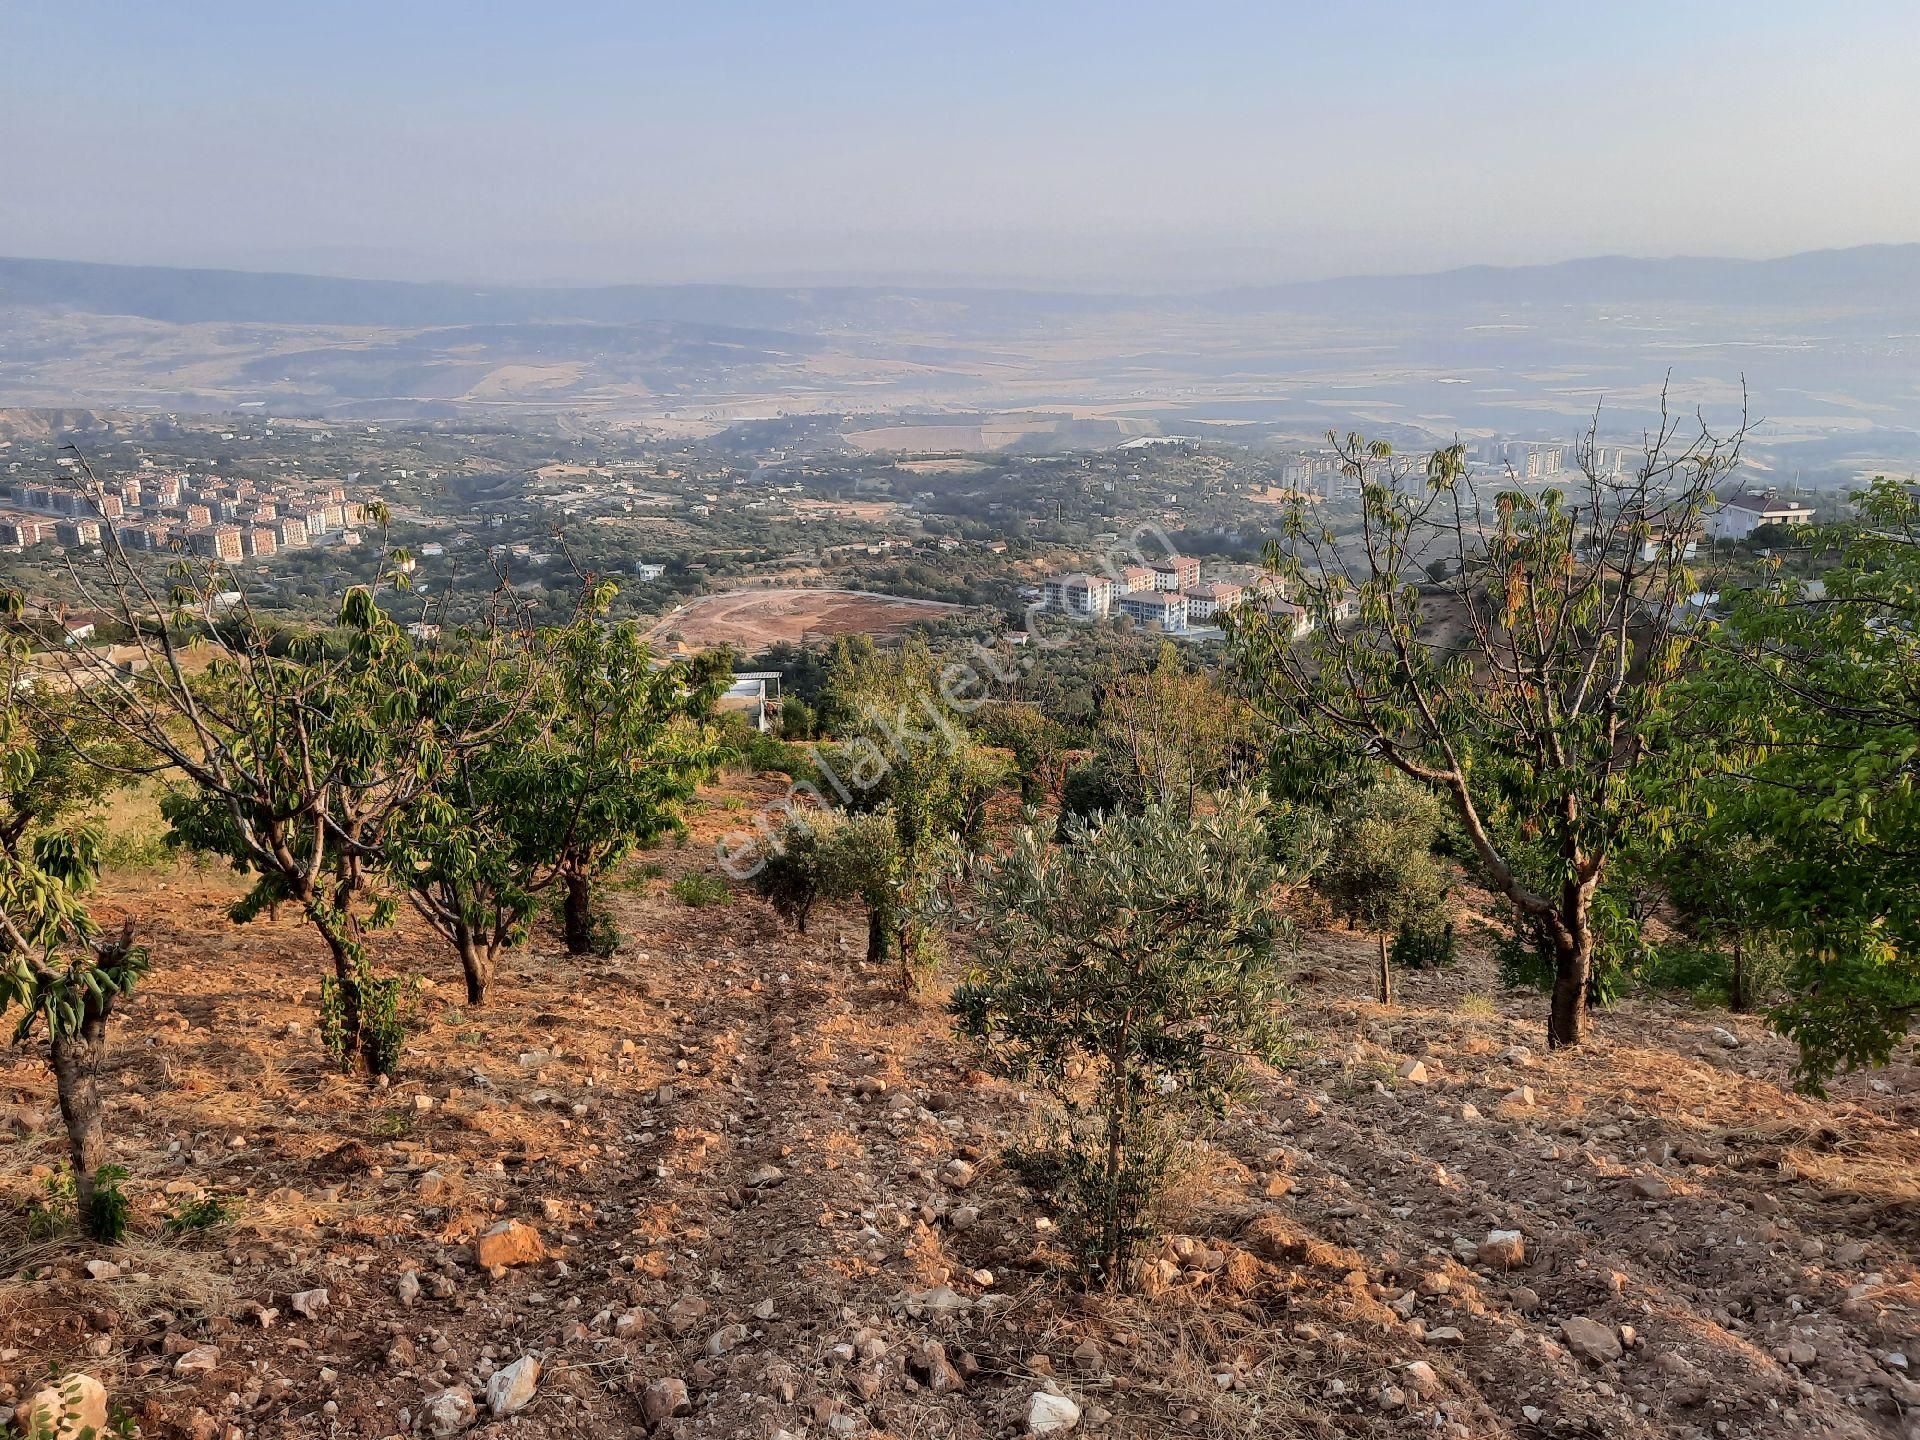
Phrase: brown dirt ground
[751,620]
[623,1106]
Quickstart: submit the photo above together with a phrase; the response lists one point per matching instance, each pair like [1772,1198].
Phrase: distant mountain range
[1825,345]
[1885,277]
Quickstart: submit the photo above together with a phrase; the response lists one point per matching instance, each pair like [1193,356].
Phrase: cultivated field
[755,619]
[759,1194]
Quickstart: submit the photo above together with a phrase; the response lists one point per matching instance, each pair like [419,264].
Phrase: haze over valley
[1827,345]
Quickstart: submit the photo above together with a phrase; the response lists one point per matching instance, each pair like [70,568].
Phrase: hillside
[763,1197]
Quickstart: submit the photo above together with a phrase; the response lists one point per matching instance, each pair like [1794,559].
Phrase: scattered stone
[963,1217]
[511,1242]
[449,1412]
[765,1177]
[726,1338]
[1503,1250]
[103,1270]
[63,1410]
[1414,1072]
[1051,1414]
[1420,1375]
[685,1313]
[511,1390]
[1521,1096]
[958,1174]
[1590,1340]
[935,1371]
[407,1288]
[1650,1187]
[311,1304]
[197,1360]
[940,1300]
[665,1399]
[1445,1335]
[1726,1039]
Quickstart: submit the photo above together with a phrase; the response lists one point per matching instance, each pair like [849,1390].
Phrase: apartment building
[216,542]
[1080,594]
[1164,608]
[1176,573]
[1204,602]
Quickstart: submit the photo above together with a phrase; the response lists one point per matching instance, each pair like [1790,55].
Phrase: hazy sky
[1166,145]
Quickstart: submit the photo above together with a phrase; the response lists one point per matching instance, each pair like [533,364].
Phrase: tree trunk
[77,1060]
[346,975]
[1386,972]
[876,936]
[1573,967]
[476,965]
[579,913]
[1110,1220]
[1742,1001]
[903,938]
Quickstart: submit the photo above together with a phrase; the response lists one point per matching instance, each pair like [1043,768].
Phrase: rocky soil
[727,1183]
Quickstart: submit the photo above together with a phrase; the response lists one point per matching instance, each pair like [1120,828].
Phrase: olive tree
[837,857]
[1130,972]
[903,752]
[1380,872]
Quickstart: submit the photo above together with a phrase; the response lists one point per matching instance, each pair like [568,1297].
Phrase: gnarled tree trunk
[578,913]
[477,963]
[1573,969]
[77,1061]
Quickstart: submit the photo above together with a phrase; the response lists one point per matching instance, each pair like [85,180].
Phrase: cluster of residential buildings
[219,519]
[1167,594]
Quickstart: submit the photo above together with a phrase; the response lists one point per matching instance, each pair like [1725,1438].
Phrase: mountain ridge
[1872,275]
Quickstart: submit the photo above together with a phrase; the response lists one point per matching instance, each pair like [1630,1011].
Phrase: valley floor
[738,1146]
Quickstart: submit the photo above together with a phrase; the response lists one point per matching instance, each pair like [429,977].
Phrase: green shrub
[696,888]
[137,850]
[49,1215]
[202,1214]
[603,935]
[108,1218]
[1422,945]
[1707,973]
[386,1011]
